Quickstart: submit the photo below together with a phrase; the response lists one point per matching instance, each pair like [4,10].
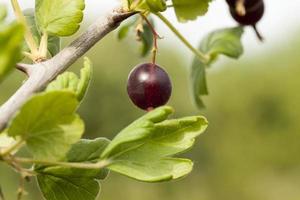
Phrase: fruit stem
[260,37]
[28,35]
[200,55]
[155,38]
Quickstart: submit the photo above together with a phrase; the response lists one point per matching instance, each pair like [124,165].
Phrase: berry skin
[149,86]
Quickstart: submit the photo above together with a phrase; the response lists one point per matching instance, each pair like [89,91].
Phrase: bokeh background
[251,148]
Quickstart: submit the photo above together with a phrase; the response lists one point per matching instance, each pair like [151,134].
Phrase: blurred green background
[251,148]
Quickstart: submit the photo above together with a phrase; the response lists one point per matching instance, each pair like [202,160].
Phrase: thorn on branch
[25,68]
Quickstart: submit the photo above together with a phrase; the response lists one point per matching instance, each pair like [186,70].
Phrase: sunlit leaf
[59,17]
[48,124]
[11,37]
[157,5]
[224,41]
[221,42]
[74,183]
[144,149]
[53,41]
[190,9]
[70,81]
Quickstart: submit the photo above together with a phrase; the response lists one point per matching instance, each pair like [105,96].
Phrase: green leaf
[199,82]
[123,31]
[190,9]
[53,41]
[126,27]
[226,42]
[144,149]
[54,45]
[70,81]
[48,124]
[154,170]
[11,38]
[157,5]
[137,131]
[146,39]
[57,17]
[87,150]
[64,188]
[85,78]
[71,183]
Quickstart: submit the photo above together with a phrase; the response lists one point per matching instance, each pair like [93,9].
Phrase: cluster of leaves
[66,166]
[51,129]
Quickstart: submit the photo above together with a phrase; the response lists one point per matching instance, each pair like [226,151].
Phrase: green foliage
[226,42]
[199,82]
[124,30]
[87,150]
[70,81]
[11,37]
[190,9]
[144,149]
[56,187]
[53,41]
[57,18]
[48,124]
[69,183]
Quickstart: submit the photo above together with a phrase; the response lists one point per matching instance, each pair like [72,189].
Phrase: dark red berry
[253,14]
[149,86]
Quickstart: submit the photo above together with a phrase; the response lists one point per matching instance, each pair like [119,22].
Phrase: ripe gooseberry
[149,86]
[254,11]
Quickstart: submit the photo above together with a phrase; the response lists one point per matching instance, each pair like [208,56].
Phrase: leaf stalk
[200,55]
